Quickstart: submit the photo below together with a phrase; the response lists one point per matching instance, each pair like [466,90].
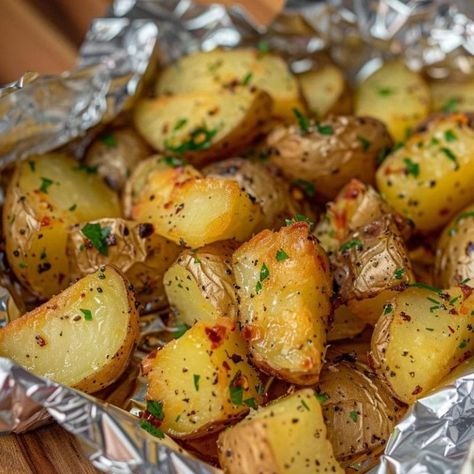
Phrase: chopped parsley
[450,136]
[382,156]
[258,287]
[32,165]
[45,184]
[364,142]
[299,218]
[412,168]
[263,47]
[305,405]
[451,105]
[250,402]
[353,243]
[324,129]
[173,161]
[264,272]
[199,139]
[152,429]
[108,140]
[247,78]
[196,379]
[43,254]
[321,397]
[398,273]
[155,408]
[180,123]
[463,344]
[385,91]
[180,330]
[451,156]
[426,287]
[353,415]
[307,187]
[86,168]
[97,236]
[236,391]
[87,314]
[303,121]
[387,309]
[464,215]
[23,265]
[73,207]
[429,329]
[281,255]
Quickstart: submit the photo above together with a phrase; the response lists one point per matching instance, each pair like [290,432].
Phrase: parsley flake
[199,139]
[324,129]
[86,168]
[250,402]
[73,207]
[108,140]
[236,391]
[307,187]
[263,47]
[155,408]
[303,121]
[387,309]
[398,273]
[353,415]
[247,78]
[463,344]
[364,142]
[354,243]
[299,218]
[87,314]
[451,105]
[173,161]
[305,405]
[450,136]
[385,91]
[45,184]
[258,287]
[412,168]
[180,123]
[152,429]
[451,156]
[426,287]
[321,397]
[32,165]
[97,236]
[281,255]
[179,330]
[196,379]
[264,272]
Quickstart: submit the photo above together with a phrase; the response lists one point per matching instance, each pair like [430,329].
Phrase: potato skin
[271,192]
[45,195]
[269,441]
[423,335]
[133,248]
[284,301]
[193,377]
[345,325]
[347,149]
[454,253]
[115,154]
[57,340]
[428,180]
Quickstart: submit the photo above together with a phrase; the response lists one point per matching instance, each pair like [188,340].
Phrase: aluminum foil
[117,59]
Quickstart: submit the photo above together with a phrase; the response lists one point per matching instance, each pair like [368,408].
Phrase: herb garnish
[450,136]
[86,168]
[353,415]
[324,129]
[281,255]
[152,429]
[398,273]
[45,184]
[411,167]
[97,236]
[108,140]
[32,165]
[263,47]
[303,121]
[387,309]
[353,243]
[155,408]
[247,78]
[385,91]
[180,330]
[173,161]
[451,156]
[307,187]
[250,402]
[87,314]
[426,287]
[199,139]
[451,105]
[299,218]
[196,379]
[321,397]
[364,142]
[180,123]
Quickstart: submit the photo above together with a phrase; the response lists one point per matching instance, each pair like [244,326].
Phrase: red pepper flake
[451,329]
[45,221]
[417,390]
[352,190]
[466,290]
[40,341]
[405,316]
[250,333]
[216,335]
[226,365]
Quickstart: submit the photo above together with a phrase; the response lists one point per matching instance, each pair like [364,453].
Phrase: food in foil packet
[258,257]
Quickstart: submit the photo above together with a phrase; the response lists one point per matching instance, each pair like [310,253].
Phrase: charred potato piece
[450,96]
[202,380]
[359,412]
[345,325]
[44,197]
[395,95]
[287,436]
[284,288]
[200,284]
[82,337]
[115,154]
[425,332]
[203,126]
[135,249]
[331,153]
[218,69]
[326,91]
[372,265]
[428,180]
[271,192]
[455,251]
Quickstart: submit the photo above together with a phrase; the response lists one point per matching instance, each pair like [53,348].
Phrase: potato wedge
[423,334]
[82,337]
[287,436]
[331,153]
[395,95]
[45,196]
[135,249]
[450,96]
[359,412]
[372,265]
[345,325]
[455,251]
[203,126]
[115,154]
[284,288]
[428,180]
[200,284]
[218,69]
[202,380]
[270,191]
[326,91]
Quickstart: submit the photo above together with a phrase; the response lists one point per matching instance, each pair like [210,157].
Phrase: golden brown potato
[422,258]
[219,69]
[331,153]
[203,126]
[82,337]
[271,192]
[424,333]
[115,154]
[135,249]
[200,284]
[372,265]
[359,412]
[428,180]
[202,380]
[45,196]
[345,325]
[326,91]
[450,96]
[284,288]
[395,95]
[287,436]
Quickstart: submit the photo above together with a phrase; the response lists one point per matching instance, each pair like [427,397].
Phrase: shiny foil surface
[119,55]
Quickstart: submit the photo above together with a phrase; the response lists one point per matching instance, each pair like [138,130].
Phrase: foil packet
[117,59]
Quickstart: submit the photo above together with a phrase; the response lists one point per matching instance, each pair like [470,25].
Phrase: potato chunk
[451,96]
[284,286]
[82,337]
[45,196]
[287,436]
[202,380]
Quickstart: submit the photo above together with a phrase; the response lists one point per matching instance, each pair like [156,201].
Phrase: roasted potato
[202,380]
[133,248]
[45,196]
[455,251]
[422,258]
[82,337]
[428,179]
[372,265]
[331,153]
[271,192]
[115,154]
[227,69]
[345,325]
[450,96]
[423,334]
[203,126]
[359,412]
[287,436]
[353,351]
[326,91]
[397,96]
[284,288]
[200,284]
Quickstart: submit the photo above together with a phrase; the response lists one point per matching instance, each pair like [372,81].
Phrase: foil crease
[119,55]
